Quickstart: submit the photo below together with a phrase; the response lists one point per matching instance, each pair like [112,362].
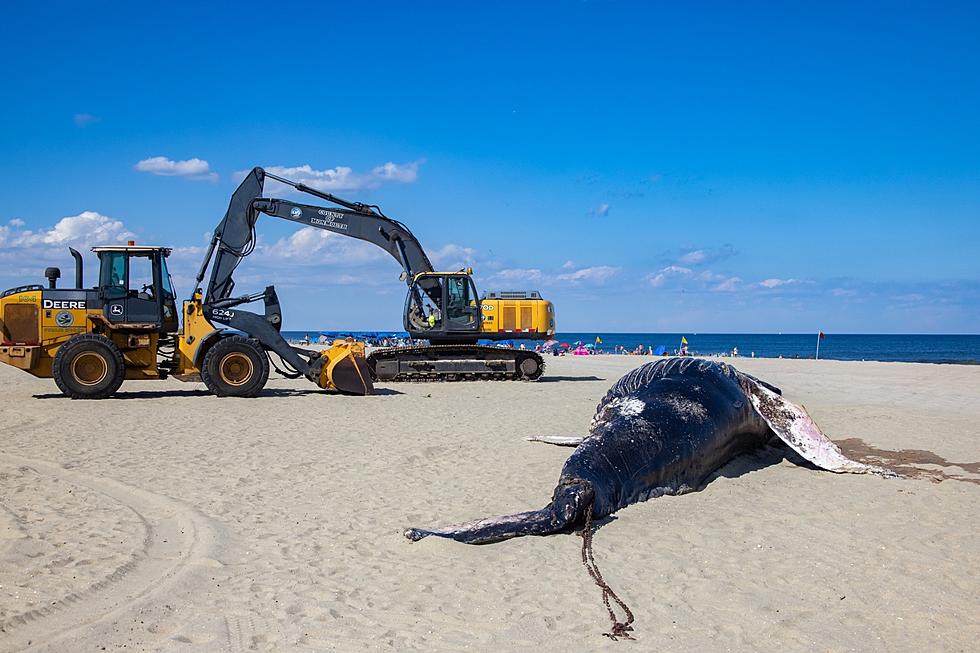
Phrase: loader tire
[235,367]
[89,366]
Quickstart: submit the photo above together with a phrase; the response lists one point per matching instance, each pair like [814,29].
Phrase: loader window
[165,280]
[113,275]
[141,277]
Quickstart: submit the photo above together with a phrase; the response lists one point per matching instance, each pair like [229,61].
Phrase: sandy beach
[169,519]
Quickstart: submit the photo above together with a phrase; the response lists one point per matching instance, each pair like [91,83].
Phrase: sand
[168,519]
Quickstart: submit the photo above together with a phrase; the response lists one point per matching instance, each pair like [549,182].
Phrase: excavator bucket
[346,369]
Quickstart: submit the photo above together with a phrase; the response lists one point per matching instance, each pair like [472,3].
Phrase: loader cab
[442,306]
[135,286]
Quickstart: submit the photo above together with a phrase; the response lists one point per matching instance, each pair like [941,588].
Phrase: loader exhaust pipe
[78,268]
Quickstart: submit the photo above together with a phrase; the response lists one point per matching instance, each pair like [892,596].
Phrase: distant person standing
[734,352]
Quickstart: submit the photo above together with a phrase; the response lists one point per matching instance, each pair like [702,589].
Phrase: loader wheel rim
[89,368]
[236,369]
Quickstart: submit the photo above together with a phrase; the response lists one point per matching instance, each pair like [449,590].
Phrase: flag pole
[817,357]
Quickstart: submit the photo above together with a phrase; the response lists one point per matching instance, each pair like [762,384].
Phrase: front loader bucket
[346,369]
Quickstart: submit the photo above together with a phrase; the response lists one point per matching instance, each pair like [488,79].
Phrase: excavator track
[455,363]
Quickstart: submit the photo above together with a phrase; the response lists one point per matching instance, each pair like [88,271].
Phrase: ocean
[964,349]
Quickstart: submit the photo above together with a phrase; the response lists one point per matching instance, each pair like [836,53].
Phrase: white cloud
[452,257]
[596,274]
[25,252]
[311,246]
[704,255]
[88,227]
[910,297]
[83,120]
[195,169]
[775,283]
[567,265]
[708,275]
[340,178]
[694,257]
[731,284]
[518,274]
[600,211]
[405,173]
[657,279]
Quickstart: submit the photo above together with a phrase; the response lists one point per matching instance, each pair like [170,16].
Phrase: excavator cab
[135,286]
[442,307]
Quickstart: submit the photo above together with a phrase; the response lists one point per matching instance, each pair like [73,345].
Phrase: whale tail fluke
[566,510]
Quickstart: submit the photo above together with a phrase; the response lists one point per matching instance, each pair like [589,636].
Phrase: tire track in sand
[178,541]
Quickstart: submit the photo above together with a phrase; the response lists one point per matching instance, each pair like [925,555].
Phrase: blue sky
[648,167]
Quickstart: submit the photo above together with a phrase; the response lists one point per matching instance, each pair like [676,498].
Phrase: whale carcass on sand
[663,428]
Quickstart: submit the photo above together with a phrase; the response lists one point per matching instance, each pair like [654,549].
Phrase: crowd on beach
[552,347]
[621,350]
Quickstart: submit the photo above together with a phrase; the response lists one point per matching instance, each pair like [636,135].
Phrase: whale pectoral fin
[794,426]
[495,529]
[559,440]
[762,383]
[567,509]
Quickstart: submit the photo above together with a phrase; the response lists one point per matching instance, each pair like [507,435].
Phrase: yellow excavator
[89,340]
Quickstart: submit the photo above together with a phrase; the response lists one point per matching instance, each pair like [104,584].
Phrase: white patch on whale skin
[685,408]
[625,406]
[631,406]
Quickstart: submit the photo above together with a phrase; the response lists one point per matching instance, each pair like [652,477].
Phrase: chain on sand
[620,629]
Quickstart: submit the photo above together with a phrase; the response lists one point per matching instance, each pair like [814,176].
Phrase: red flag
[822,335]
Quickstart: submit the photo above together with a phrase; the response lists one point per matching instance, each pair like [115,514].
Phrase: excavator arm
[234,238]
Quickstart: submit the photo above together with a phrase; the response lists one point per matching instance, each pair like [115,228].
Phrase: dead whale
[663,428]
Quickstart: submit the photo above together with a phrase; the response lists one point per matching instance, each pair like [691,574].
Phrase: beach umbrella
[548,344]
[659,351]
[564,344]
[589,345]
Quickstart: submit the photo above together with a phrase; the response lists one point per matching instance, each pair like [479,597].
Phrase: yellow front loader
[89,340]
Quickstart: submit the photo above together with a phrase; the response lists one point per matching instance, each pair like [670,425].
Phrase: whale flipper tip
[415,534]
